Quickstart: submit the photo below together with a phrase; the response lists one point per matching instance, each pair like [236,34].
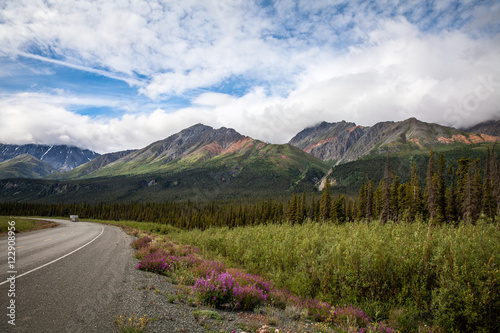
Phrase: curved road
[75,278]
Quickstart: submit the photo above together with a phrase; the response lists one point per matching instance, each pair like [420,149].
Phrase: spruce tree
[378,199]
[440,190]
[489,202]
[338,209]
[430,194]
[326,201]
[462,177]
[385,213]
[495,178]
[303,207]
[451,199]
[395,197]
[369,200]
[472,194]
[416,207]
[404,200]
[293,209]
[361,210]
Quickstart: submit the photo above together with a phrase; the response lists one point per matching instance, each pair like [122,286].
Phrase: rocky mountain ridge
[203,163]
[490,127]
[187,141]
[95,164]
[345,141]
[60,157]
[333,142]
[195,144]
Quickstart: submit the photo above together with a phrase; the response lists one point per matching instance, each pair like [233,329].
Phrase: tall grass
[22,225]
[447,275]
[157,228]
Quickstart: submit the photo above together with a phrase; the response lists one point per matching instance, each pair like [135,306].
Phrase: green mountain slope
[25,166]
[256,176]
[186,149]
[91,166]
[202,147]
[199,163]
[349,177]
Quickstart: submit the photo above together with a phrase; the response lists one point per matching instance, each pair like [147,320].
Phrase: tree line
[447,195]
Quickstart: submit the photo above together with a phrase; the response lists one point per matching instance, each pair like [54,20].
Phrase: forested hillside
[447,194]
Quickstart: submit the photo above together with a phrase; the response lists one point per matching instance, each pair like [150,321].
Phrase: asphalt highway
[73,278]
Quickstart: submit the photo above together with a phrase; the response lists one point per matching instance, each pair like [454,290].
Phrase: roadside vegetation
[218,285]
[23,225]
[411,275]
[131,324]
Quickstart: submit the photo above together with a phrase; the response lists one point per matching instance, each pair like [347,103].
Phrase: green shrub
[448,274]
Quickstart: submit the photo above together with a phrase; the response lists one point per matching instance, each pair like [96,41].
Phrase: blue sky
[114,75]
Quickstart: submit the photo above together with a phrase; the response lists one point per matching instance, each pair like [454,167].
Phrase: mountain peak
[196,143]
[489,127]
[198,127]
[60,157]
[327,141]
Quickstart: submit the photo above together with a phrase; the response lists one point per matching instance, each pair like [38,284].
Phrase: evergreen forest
[448,194]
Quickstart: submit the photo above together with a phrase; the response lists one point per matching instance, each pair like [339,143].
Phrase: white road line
[53,261]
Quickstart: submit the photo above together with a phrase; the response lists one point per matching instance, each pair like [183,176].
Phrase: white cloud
[45,119]
[302,63]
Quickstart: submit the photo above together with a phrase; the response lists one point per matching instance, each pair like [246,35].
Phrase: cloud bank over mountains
[112,75]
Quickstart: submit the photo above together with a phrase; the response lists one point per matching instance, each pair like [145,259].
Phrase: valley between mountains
[203,163]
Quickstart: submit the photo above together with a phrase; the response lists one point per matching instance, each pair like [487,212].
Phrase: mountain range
[207,163]
[59,157]
[345,142]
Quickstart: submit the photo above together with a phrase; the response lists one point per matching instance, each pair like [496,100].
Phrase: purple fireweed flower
[141,242]
[205,267]
[222,288]
[215,289]
[156,263]
[245,279]
[316,310]
[248,297]
[349,314]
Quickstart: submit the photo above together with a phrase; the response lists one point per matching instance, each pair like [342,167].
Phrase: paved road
[82,288]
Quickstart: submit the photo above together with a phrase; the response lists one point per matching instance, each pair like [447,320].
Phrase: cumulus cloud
[45,119]
[298,62]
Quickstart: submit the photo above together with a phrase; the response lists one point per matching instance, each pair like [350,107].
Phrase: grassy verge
[161,229]
[23,225]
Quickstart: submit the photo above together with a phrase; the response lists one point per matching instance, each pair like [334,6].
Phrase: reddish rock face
[348,142]
[473,138]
